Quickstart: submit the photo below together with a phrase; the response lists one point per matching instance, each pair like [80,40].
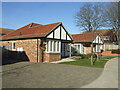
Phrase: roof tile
[31,30]
[5,30]
[84,37]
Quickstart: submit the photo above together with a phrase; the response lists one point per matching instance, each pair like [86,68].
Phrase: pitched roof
[84,37]
[102,32]
[5,30]
[31,30]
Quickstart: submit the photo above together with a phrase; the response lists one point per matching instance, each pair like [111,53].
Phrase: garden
[86,61]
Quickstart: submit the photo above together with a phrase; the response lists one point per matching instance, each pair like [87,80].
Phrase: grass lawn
[87,62]
[107,57]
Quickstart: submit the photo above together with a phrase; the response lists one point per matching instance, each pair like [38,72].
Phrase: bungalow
[40,43]
[82,43]
[110,46]
[109,38]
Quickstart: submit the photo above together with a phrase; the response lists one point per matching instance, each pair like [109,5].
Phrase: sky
[18,14]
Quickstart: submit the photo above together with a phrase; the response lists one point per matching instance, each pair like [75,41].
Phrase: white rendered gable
[63,33]
[98,40]
[50,36]
[59,33]
[68,37]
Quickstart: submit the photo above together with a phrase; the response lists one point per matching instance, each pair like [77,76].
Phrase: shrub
[88,56]
[83,56]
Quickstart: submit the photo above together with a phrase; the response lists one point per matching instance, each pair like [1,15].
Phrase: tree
[111,14]
[90,17]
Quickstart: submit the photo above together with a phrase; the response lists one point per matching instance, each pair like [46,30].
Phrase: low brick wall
[109,53]
[49,57]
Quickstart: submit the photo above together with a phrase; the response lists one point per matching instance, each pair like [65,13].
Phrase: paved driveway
[46,75]
[109,77]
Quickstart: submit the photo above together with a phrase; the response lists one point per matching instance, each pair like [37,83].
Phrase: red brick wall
[6,43]
[29,46]
[49,57]
[87,50]
[109,53]
[32,51]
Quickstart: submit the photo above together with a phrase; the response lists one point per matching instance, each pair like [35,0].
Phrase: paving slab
[64,60]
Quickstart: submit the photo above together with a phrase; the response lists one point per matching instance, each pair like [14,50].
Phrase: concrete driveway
[47,75]
[109,77]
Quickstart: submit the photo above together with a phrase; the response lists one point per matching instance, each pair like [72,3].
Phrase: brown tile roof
[106,32]
[84,37]
[102,32]
[5,30]
[31,30]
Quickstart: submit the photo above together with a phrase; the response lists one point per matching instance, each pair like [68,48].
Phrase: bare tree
[90,17]
[112,16]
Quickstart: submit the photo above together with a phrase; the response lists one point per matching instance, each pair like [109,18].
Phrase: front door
[63,50]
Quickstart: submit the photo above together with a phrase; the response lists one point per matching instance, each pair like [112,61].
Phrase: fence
[111,47]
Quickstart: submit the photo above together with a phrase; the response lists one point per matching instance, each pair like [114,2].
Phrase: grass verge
[87,62]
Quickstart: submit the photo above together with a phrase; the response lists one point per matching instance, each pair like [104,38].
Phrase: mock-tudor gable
[59,33]
[98,40]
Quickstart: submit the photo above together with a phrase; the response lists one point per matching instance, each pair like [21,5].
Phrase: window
[20,50]
[83,49]
[13,45]
[58,46]
[68,47]
[47,45]
[54,49]
[53,46]
[106,37]
[78,48]
[50,45]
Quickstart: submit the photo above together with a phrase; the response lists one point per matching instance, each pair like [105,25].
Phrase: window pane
[78,48]
[50,45]
[54,46]
[106,38]
[47,45]
[68,47]
[13,45]
[58,46]
[83,49]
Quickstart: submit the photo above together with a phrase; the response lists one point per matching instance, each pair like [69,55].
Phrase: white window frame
[80,50]
[20,50]
[13,45]
[49,50]
[105,37]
